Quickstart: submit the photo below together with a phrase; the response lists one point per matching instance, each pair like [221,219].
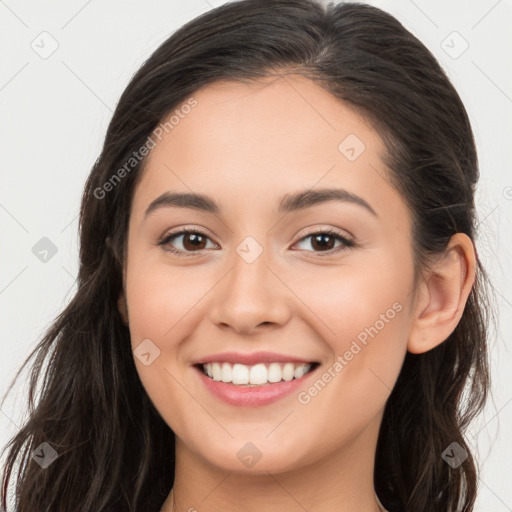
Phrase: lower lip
[252,396]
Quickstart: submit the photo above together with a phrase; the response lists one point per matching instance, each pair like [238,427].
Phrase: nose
[250,297]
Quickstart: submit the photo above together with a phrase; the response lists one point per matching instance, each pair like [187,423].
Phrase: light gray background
[55,111]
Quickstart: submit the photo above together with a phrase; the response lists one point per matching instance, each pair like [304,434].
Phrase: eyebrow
[289,203]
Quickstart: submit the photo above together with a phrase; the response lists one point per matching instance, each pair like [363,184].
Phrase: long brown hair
[114,450]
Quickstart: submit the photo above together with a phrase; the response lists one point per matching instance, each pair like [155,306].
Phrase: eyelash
[347,244]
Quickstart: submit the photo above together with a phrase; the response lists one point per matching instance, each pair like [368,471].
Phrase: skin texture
[245,147]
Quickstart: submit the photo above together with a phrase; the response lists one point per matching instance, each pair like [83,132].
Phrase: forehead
[262,140]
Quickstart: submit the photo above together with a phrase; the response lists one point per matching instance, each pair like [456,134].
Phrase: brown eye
[192,241]
[324,241]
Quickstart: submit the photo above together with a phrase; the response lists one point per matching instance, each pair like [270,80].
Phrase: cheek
[359,303]
[162,304]
[368,318]
[364,318]
[161,300]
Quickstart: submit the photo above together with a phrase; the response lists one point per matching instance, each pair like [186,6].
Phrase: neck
[341,481]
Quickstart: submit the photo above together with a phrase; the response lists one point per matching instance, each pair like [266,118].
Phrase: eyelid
[343,233]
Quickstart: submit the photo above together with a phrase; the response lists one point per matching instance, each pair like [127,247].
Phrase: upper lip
[251,358]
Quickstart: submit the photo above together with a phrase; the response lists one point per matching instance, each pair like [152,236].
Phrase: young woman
[279,300]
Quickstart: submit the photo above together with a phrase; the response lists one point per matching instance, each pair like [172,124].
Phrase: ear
[442,296]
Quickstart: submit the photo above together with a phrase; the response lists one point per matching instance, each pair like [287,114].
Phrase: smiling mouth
[261,374]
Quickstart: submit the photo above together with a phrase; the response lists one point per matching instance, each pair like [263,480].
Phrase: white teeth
[256,375]
[288,371]
[226,373]
[298,372]
[216,371]
[274,372]
[240,374]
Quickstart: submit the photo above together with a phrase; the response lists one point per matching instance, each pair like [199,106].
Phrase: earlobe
[443,295]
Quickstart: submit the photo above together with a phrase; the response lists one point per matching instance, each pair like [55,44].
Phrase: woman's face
[262,278]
